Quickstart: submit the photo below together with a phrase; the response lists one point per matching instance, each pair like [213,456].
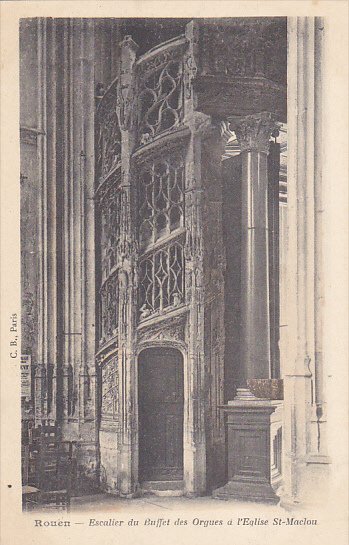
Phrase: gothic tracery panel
[161,196]
[162,280]
[108,315]
[160,102]
[110,230]
[109,135]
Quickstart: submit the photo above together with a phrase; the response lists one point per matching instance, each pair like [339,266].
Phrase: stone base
[249,423]
[290,504]
[255,492]
[163,488]
[87,481]
[131,496]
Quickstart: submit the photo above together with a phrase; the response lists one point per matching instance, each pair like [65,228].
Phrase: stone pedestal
[249,449]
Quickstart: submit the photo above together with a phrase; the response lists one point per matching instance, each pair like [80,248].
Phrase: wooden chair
[49,470]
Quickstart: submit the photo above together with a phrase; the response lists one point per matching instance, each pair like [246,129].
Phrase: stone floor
[108,503]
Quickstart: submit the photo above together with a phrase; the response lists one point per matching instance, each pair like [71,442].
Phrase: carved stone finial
[128,42]
[126,83]
[254,131]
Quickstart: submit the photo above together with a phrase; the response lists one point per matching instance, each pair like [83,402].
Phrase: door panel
[160,387]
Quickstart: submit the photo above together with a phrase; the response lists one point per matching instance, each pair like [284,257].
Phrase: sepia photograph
[171,341]
[154,291]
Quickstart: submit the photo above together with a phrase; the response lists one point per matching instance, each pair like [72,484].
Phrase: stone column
[40,410]
[248,417]
[253,133]
[39,393]
[127,437]
[194,425]
[88,432]
[71,216]
[76,406]
[45,397]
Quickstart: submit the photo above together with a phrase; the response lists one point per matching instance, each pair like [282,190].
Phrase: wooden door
[160,396]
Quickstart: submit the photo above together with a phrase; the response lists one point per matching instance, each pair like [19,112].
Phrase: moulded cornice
[224,96]
[108,350]
[149,56]
[165,139]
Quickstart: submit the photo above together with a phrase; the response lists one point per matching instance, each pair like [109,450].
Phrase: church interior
[171,259]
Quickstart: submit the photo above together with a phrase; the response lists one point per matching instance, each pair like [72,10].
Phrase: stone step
[173,488]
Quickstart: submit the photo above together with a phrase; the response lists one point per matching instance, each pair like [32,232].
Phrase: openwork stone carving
[160,102]
[112,182]
[257,49]
[161,280]
[110,382]
[172,330]
[125,101]
[109,135]
[161,196]
[191,71]
[109,308]
[110,231]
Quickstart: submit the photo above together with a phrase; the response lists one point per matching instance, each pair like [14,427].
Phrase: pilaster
[214,294]
[194,424]
[127,255]
[304,421]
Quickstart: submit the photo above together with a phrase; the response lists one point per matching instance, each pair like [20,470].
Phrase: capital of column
[254,131]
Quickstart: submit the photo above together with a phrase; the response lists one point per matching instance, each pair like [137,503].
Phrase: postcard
[174,272]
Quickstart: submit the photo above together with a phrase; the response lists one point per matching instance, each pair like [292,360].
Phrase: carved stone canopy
[254,131]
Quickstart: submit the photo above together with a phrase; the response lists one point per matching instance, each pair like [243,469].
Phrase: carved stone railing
[160,197]
[160,165]
[108,308]
[109,231]
[160,90]
[220,67]
[107,198]
[242,66]
[244,48]
[108,138]
[162,279]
